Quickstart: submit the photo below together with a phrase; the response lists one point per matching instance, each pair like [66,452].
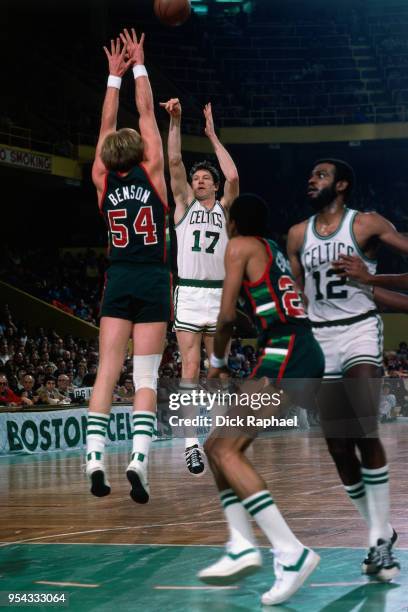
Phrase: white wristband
[114,81]
[216,362]
[139,71]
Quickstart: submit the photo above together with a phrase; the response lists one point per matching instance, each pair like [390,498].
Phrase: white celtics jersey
[201,242]
[331,297]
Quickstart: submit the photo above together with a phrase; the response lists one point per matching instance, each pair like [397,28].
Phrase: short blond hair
[122,150]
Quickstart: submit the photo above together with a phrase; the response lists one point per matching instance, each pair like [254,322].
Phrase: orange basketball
[172,12]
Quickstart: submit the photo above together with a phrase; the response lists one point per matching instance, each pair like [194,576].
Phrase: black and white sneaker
[194,460]
[368,566]
[387,564]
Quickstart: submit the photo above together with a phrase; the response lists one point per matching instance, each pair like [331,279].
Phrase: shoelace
[193,455]
[383,555]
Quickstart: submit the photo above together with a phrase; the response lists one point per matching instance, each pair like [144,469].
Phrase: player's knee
[218,451]
[146,371]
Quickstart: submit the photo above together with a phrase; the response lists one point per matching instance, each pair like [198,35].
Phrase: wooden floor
[45,498]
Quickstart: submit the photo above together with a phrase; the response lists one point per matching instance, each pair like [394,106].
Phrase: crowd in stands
[70,280]
[46,368]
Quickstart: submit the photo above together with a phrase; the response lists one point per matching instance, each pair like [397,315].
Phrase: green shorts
[140,293]
[291,352]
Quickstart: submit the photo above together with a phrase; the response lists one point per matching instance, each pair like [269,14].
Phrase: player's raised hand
[209,121]
[351,266]
[118,64]
[134,47]
[173,107]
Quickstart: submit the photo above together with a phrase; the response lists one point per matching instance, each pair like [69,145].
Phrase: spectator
[126,392]
[387,404]
[5,354]
[63,387]
[80,373]
[28,390]
[8,397]
[90,376]
[49,394]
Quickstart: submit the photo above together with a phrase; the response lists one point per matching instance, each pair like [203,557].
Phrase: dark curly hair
[206,165]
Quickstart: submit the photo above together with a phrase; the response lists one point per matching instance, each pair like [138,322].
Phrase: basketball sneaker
[368,566]
[136,474]
[231,567]
[95,470]
[388,566]
[289,578]
[194,460]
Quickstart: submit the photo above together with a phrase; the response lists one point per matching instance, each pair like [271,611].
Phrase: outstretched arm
[152,144]
[398,302]
[182,192]
[353,267]
[386,232]
[235,262]
[117,68]
[227,165]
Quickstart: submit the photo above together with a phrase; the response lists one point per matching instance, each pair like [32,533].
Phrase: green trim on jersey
[207,284]
[354,239]
[223,209]
[302,248]
[185,213]
[336,231]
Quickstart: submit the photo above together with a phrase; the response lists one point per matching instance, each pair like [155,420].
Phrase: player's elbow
[233,180]
[175,160]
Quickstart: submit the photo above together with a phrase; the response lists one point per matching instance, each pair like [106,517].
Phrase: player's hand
[173,107]
[117,58]
[351,266]
[209,121]
[134,47]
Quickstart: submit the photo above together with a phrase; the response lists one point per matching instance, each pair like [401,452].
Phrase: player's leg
[113,338]
[241,557]
[148,345]
[292,562]
[190,350]
[363,383]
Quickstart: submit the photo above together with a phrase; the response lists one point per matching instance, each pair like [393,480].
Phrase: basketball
[172,12]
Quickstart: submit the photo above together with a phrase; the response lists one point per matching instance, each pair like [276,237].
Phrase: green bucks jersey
[273,301]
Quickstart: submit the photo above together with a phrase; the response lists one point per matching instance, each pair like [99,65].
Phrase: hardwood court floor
[128,550]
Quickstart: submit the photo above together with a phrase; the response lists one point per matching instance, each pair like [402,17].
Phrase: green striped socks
[97,426]
[241,535]
[357,495]
[143,428]
[378,502]
[264,510]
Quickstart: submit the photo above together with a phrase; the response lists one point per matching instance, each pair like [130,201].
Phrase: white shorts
[196,309]
[345,346]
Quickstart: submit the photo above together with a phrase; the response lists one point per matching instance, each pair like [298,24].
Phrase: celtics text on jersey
[331,298]
[201,243]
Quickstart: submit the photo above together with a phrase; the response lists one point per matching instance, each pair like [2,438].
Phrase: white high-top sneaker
[137,476]
[289,578]
[96,472]
[232,566]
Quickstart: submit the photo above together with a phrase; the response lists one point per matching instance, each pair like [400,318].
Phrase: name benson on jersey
[205,216]
[129,193]
[325,253]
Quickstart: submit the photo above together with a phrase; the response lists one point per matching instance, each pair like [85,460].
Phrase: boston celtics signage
[37,432]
